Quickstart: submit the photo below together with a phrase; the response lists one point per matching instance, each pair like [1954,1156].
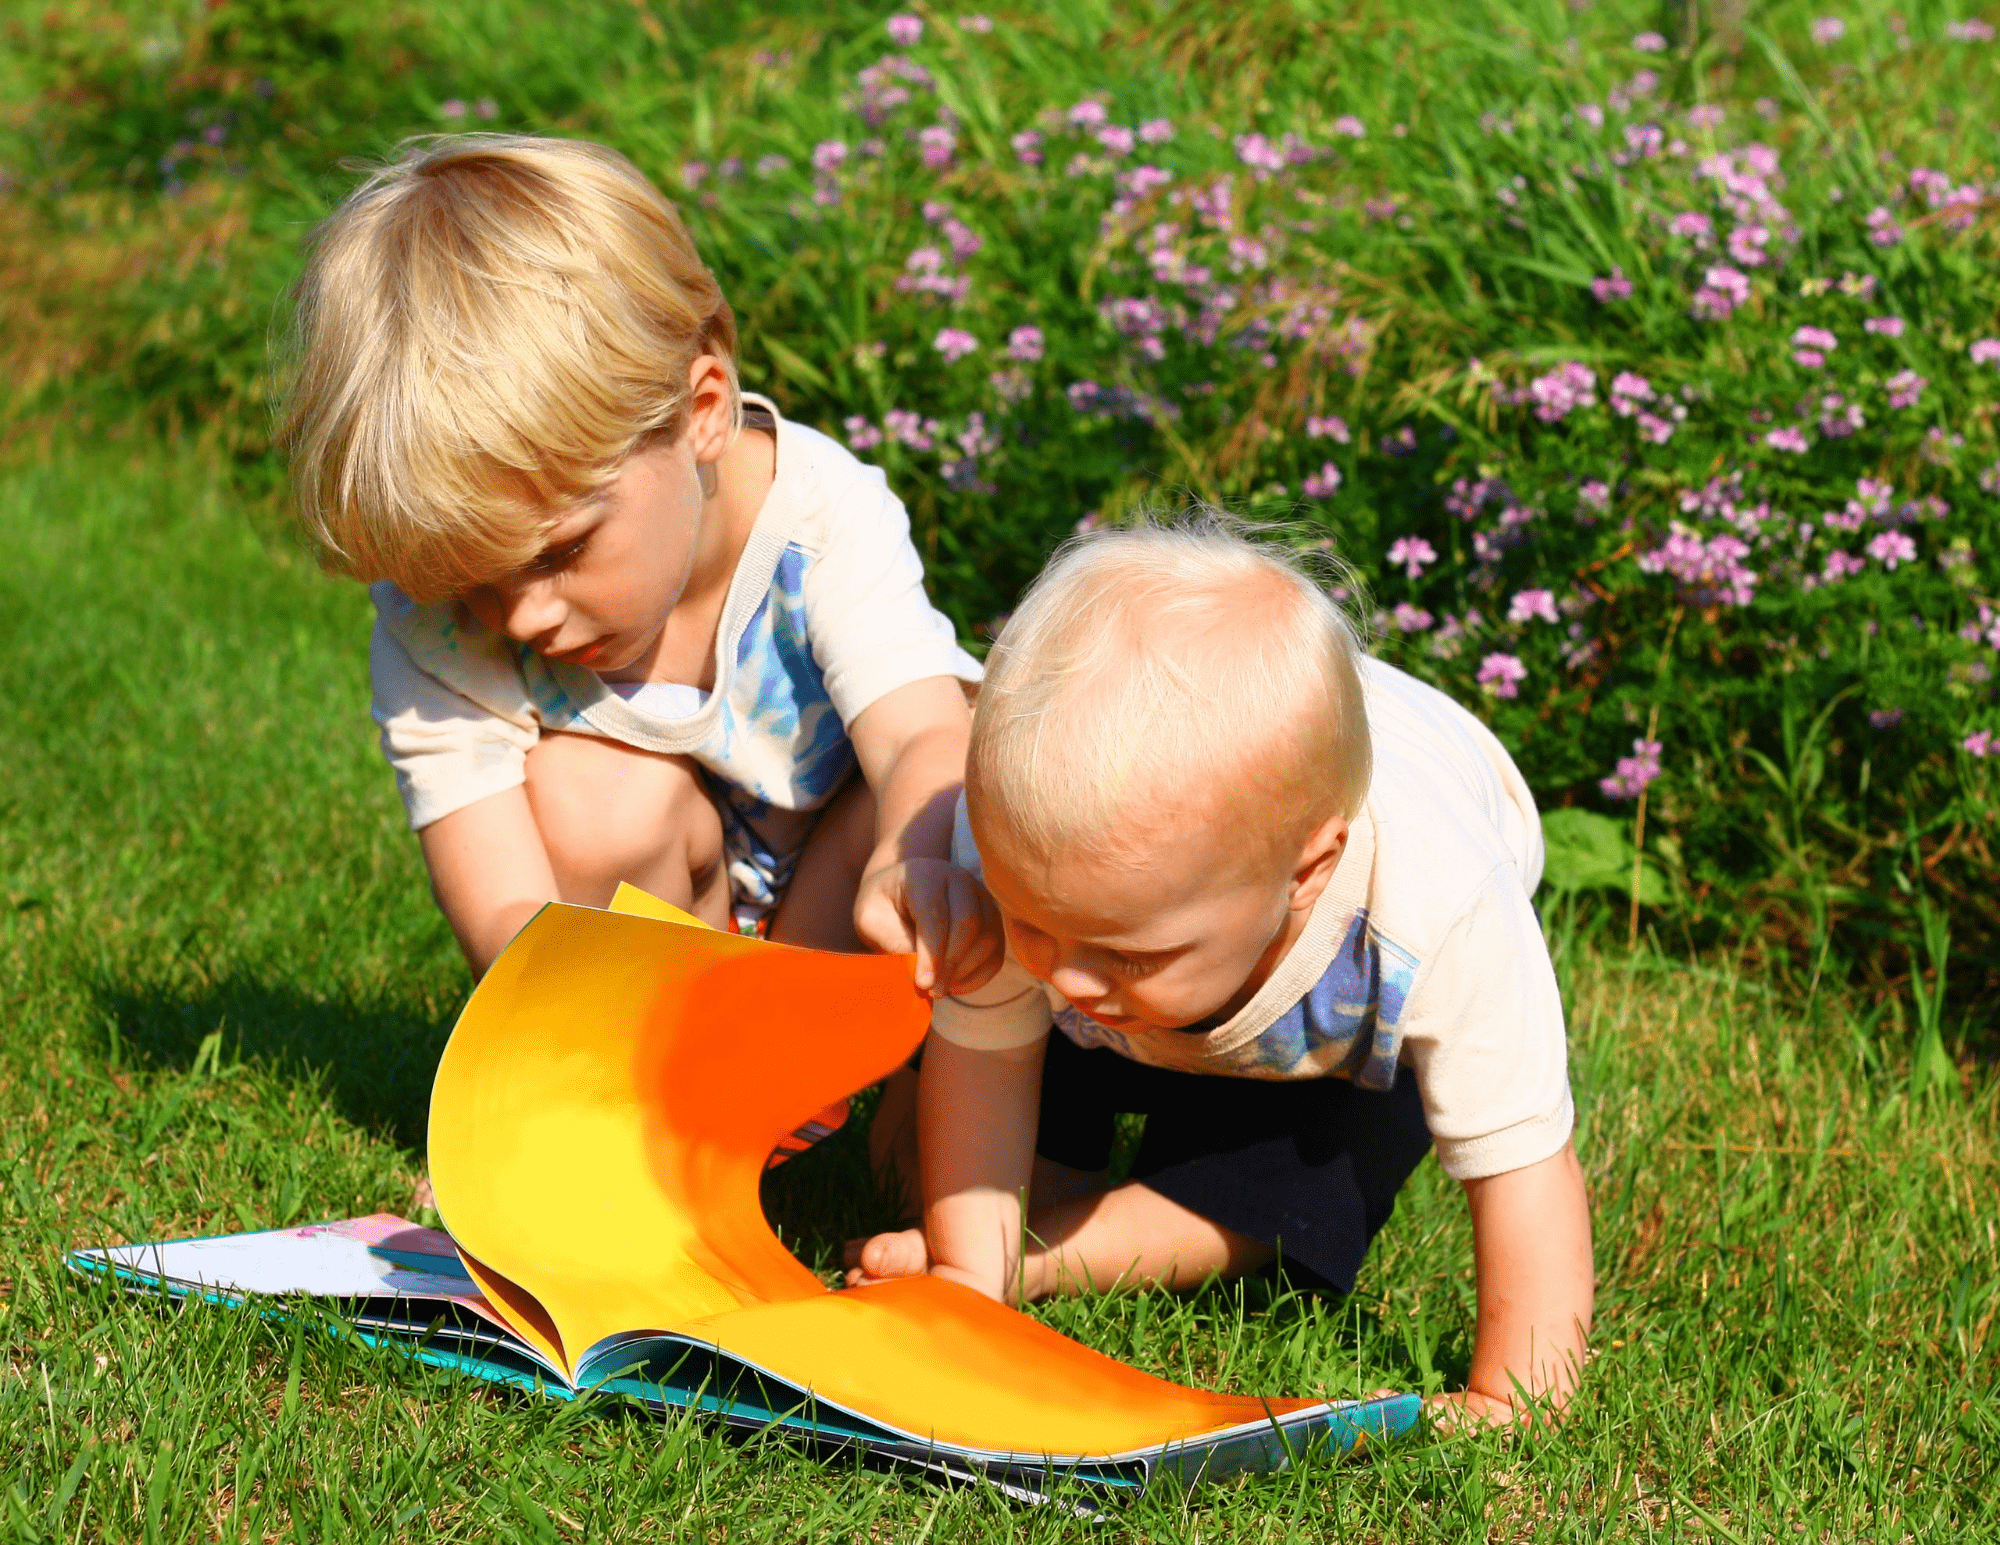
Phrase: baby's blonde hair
[1166,667]
[486,328]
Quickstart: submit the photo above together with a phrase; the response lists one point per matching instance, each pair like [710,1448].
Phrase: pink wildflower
[1025,343]
[1028,146]
[1723,290]
[1633,772]
[1332,427]
[1693,224]
[1117,139]
[1413,553]
[1087,115]
[905,30]
[1409,619]
[861,435]
[1985,351]
[1628,391]
[1710,572]
[1324,484]
[1978,743]
[1650,43]
[976,22]
[1890,548]
[1974,31]
[1839,566]
[1616,287]
[1349,126]
[1656,429]
[1562,391]
[1828,30]
[1530,604]
[954,343]
[1594,495]
[1747,244]
[1502,675]
[1905,387]
[1882,227]
[829,155]
[938,144]
[1884,327]
[1156,131]
[1788,439]
[1254,150]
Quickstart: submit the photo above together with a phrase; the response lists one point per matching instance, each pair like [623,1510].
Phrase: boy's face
[1173,926]
[610,571]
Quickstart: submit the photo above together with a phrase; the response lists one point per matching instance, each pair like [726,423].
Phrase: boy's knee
[608,812]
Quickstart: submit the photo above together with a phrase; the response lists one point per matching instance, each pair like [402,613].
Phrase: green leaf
[1588,851]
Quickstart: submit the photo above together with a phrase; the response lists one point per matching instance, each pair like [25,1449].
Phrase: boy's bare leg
[818,911]
[1128,1236]
[609,812]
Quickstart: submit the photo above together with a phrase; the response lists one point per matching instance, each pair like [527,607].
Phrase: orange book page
[600,1121]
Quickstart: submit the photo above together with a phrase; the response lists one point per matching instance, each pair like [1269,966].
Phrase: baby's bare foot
[887,1257]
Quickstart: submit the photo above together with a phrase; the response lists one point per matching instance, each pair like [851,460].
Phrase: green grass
[1798,1261]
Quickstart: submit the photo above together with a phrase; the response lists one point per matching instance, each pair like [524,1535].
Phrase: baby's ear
[1317,860]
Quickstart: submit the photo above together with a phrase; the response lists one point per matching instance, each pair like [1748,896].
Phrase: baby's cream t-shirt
[1424,951]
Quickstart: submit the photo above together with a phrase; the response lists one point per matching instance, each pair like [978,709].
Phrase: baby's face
[1172,928]
[610,571]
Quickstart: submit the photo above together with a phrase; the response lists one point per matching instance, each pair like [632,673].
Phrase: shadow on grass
[374,1058]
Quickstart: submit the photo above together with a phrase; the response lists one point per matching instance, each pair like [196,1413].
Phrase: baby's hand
[887,1257]
[940,912]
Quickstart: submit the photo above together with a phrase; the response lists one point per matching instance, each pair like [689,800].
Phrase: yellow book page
[601,1119]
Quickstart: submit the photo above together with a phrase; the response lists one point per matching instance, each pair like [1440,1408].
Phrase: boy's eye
[554,560]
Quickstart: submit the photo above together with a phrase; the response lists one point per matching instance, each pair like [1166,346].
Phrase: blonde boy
[1276,896]
[630,623]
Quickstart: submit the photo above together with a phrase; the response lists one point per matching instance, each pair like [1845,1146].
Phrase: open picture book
[603,1112]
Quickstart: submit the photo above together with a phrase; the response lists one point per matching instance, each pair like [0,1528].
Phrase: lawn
[225,985]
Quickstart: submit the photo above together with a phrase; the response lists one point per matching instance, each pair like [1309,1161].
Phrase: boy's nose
[529,612]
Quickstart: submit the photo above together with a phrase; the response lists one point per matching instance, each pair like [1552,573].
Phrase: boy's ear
[1317,860]
[709,417]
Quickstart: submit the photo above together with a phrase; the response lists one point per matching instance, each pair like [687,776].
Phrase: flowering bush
[1656,411]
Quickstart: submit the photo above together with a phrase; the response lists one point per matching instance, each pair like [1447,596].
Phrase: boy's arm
[489,872]
[911,745]
[1531,1251]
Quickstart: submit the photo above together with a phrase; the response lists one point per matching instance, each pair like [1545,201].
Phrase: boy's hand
[941,913]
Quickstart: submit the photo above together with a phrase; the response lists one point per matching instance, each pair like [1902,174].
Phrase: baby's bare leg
[1129,1236]
[609,812]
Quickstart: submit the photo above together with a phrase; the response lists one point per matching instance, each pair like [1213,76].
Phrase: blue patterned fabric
[1349,1021]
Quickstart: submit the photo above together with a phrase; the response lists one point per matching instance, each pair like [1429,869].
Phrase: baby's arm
[978,1105]
[1531,1251]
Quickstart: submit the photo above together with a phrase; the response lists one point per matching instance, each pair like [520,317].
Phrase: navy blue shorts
[1310,1167]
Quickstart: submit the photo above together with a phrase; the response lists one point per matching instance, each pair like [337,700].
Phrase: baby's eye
[1135,966]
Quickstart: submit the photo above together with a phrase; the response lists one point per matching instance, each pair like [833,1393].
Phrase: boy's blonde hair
[486,328]
[1170,666]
